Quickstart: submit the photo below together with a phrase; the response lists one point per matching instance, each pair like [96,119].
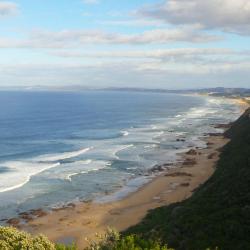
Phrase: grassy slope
[218,214]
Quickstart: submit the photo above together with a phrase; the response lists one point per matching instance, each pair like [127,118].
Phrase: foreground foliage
[64,247]
[113,241]
[218,214]
[12,239]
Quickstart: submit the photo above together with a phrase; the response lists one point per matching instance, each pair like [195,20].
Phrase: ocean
[62,147]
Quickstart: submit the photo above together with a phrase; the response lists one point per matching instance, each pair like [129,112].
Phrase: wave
[154,127]
[159,134]
[151,146]
[121,148]
[21,174]
[69,176]
[124,133]
[92,166]
[61,156]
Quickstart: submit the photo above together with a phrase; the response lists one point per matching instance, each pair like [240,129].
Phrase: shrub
[12,239]
[113,241]
[63,247]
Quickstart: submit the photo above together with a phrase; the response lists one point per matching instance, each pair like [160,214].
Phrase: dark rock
[210,143]
[178,174]
[158,168]
[189,162]
[211,156]
[185,184]
[13,222]
[223,125]
[214,134]
[191,152]
[38,212]
[71,205]
[180,140]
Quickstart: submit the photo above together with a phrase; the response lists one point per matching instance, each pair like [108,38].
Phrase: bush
[63,247]
[113,241]
[12,239]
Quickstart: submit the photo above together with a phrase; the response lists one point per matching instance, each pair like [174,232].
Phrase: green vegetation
[12,239]
[112,240]
[218,214]
[63,247]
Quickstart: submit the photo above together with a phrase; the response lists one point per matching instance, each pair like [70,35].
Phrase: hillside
[218,214]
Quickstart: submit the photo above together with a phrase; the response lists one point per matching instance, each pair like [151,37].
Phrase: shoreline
[75,222]
[79,221]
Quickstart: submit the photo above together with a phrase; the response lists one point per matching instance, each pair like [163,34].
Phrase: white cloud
[154,54]
[226,15]
[78,38]
[8,8]
[178,58]
[133,23]
[134,74]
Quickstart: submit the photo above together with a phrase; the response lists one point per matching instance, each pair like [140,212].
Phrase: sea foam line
[27,178]
[102,165]
[125,133]
[62,156]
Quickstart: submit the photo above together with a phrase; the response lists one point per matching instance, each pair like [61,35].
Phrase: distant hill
[218,214]
[219,91]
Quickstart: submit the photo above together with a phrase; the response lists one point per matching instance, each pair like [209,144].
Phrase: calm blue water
[61,147]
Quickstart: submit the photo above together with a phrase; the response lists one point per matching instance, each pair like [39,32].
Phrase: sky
[170,44]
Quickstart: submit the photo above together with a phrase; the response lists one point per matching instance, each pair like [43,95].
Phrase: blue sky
[102,43]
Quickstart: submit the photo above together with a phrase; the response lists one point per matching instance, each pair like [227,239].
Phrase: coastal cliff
[218,213]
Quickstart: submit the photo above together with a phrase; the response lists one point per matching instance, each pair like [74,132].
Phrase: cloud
[163,54]
[179,56]
[79,38]
[226,15]
[133,23]
[8,9]
[183,61]
[134,74]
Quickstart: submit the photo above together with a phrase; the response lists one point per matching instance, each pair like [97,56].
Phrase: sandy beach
[80,221]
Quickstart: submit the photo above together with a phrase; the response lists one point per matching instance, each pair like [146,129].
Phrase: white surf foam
[121,148]
[151,146]
[154,127]
[92,166]
[125,133]
[61,156]
[158,134]
[20,173]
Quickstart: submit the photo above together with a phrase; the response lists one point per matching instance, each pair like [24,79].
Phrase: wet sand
[80,221]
